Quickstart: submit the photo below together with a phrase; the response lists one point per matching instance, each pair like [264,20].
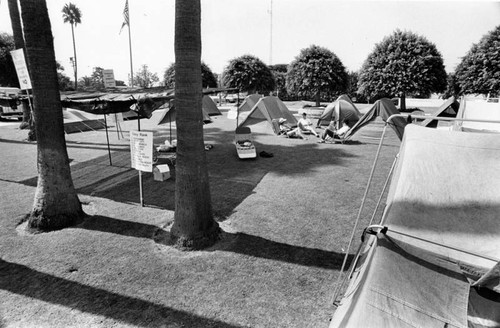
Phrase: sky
[273,30]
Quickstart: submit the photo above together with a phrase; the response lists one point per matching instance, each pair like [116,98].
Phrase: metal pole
[107,139]
[140,172]
[130,51]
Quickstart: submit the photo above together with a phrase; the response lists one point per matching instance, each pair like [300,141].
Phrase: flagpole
[130,47]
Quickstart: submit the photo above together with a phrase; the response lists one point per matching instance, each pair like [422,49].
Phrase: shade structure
[268,109]
[342,109]
[382,108]
[440,237]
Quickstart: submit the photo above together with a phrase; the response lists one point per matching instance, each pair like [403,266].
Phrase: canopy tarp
[268,109]
[383,108]
[342,109]
[143,101]
[448,109]
[442,234]
[481,110]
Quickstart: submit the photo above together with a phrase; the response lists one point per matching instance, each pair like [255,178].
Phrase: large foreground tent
[479,110]
[383,108]
[341,109]
[433,258]
[268,109]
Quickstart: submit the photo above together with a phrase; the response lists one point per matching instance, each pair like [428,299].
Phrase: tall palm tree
[73,15]
[56,203]
[194,226]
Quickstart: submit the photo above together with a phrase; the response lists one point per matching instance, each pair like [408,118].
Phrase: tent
[209,106]
[249,102]
[246,106]
[481,110]
[268,109]
[384,108]
[341,109]
[433,259]
[448,109]
[169,115]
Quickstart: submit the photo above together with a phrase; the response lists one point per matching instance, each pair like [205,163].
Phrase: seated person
[288,131]
[305,125]
[332,132]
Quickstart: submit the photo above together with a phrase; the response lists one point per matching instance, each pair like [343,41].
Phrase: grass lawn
[286,221]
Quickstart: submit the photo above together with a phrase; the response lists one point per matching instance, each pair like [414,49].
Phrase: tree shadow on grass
[22,280]
[240,243]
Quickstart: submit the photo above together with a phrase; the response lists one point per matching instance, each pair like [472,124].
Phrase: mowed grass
[286,221]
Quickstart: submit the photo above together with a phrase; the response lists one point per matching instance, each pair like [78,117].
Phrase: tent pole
[141,198]
[237,108]
[107,139]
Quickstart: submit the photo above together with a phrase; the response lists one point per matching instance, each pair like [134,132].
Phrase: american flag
[125,16]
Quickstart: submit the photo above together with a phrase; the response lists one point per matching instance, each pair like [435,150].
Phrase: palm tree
[17,29]
[194,226]
[56,203]
[73,15]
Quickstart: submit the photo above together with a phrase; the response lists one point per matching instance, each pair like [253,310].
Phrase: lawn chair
[244,144]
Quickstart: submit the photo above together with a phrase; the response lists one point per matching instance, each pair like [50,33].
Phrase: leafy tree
[94,81]
[64,81]
[279,74]
[8,77]
[85,82]
[73,15]
[194,226]
[145,78]
[209,80]
[248,73]
[452,88]
[316,73]
[403,63]
[56,204]
[479,70]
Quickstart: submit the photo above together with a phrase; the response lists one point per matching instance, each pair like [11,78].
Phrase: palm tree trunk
[17,30]
[75,64]
[56,203]
[194,226]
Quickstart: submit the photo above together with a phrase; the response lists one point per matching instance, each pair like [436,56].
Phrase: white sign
[141,150]
[21,68]
[109,78]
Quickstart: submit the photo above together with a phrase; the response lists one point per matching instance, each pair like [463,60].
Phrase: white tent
[478,109]
[432,260]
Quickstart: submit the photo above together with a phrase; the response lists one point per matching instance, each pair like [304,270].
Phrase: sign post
[22,72]
[109,78]
[141,154]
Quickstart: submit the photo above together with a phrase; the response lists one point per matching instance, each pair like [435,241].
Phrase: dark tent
[209,106]
[448,109]
[169,115]
[342,109]
[384,108]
